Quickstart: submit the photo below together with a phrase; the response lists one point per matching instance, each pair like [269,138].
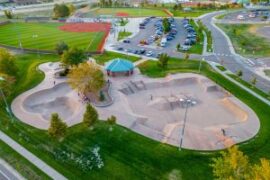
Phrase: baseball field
[45,36]
[129,12]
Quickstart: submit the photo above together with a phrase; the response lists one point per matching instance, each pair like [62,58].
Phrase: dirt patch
[122,14]
[264,32]
[89,27]
[86,27]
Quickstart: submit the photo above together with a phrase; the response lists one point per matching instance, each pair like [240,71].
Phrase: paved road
[224,53]
[31,157]
[8,173]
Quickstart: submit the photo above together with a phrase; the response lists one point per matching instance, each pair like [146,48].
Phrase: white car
[252,15]
[149,53]
[240,17]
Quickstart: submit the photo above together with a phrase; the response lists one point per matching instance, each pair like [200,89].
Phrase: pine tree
[90,116]
[58,128]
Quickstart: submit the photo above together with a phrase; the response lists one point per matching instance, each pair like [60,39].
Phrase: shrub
[90,116]
[112,120]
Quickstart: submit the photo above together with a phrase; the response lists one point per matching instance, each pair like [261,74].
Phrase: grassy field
[133,12]
[127,155]
[193,13]
[246,41]
[45,36]
[108,55]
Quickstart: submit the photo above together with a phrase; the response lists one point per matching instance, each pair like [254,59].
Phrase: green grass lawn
[267,72]
[126,154]
[193,13]
[108,55]
[123,35]
[48,35]
[133,12]
[246,42]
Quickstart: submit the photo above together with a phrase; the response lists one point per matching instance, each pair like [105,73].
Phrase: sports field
[45,36]
[133,12]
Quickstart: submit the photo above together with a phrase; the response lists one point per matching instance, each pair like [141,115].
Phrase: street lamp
[187,103]
[5,100]
[36,36]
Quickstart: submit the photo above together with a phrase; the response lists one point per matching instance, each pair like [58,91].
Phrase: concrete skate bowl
[54,100]
[215,119]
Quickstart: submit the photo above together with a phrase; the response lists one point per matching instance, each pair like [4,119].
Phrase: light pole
[187,102]
[36,36]
[5,100]
[200,66]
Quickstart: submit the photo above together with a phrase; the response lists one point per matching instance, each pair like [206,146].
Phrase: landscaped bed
[246,40]
[126,154]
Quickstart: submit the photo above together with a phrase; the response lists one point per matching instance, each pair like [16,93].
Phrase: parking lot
[144,39]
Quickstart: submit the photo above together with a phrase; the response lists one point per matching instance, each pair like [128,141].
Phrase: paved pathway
[8,173]
[31,157]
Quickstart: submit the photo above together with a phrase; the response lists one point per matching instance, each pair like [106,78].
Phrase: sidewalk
[8,172]
[31,157]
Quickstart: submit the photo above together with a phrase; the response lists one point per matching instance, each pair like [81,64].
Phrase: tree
[61,11]
[90,116]
[254,81]
[261,171]
[71,9]
[163,61]
[178,46]
[166,25]
[8,14]
[186,56]
[7,84]
[86,77]
[58,128]
[61,47]
[112,120]
[239,73]
[73,56]
[7,63]
[231,165]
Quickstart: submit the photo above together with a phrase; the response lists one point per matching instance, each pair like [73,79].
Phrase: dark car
[126,41]
[142,51]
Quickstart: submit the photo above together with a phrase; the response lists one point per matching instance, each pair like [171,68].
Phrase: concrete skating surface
[151,107]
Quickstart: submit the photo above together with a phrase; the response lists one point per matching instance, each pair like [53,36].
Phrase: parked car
[240,17]
[149,53]
[185,48]
[126,41]
[142,51]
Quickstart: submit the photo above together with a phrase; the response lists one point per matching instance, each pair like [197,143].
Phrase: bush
[101,96]
[58,128]
[112,120]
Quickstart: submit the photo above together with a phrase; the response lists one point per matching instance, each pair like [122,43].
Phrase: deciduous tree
[7,63]
[73,56]
[90,116]
[61,47]
[86,77]
[61,10]
[231,165]
[57,128]
[163,61]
